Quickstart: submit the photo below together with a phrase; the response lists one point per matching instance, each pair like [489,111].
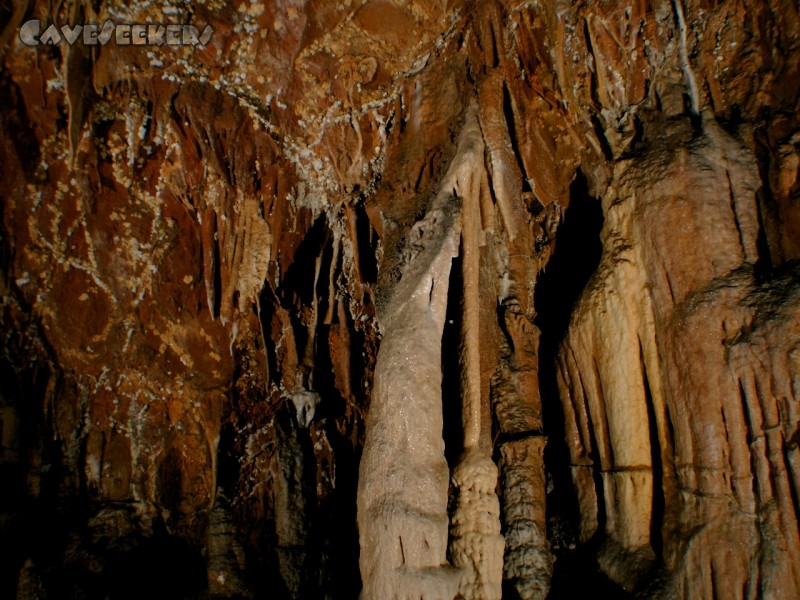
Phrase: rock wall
[222,364]
[671,392]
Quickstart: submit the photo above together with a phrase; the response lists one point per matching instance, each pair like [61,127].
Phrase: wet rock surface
[217,266]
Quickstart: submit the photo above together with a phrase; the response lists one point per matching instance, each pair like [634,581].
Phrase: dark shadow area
[575,258]
[335,536]
[453,432]
[659,500]
[336,525]
[158,567]
[508,112]
[28,522]
[18,127]
[12,488]
[297,288]
[576,575]
[321,482]
[367,240]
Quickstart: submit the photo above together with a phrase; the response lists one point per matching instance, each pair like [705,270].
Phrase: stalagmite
[294,506]
[225,554]
[402,493]
[528,561]
[476,546]
[402,489]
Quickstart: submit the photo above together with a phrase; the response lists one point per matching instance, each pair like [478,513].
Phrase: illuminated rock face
[677,380]
[243,287]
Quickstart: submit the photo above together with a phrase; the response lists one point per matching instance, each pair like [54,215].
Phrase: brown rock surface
[215,273]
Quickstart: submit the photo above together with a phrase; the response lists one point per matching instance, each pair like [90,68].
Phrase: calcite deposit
[400,299]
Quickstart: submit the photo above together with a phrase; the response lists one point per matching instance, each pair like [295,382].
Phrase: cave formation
[402,299]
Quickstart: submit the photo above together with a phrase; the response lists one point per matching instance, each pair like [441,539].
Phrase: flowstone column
[403,479]
[477,545]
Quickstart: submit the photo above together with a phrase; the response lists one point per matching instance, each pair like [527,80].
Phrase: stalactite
[337,246]
[208,239]
[688,72]
[476,546]
[515,387]
[301,392]
[470,262]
